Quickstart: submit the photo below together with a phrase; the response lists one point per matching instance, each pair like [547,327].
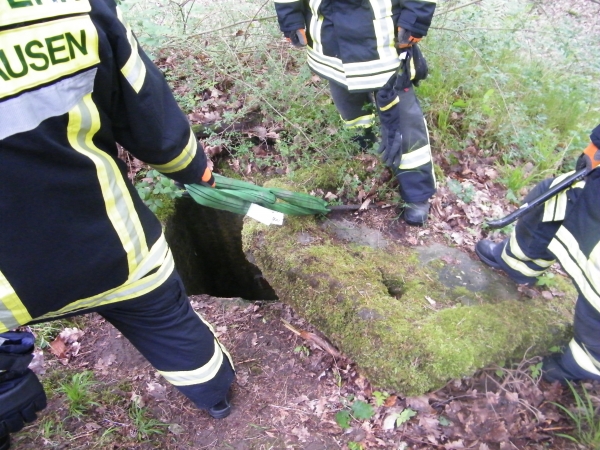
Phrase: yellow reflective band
[315,25]
[12,311]
[555,208]
[428,143]
[18,11]
[332,69]
[41,53]
[200,375]
[138,284]
[381,8]
[516,250]
[359,82]
[413,71]
[390,105]
[183,160]
[330,61]
[520,266]
[585,273]
[583,358]
[360,122]
[550,208]
[416,158]
[385,30]
[369,82]
[84,123]
[372,68]
[134,69]
[223,349]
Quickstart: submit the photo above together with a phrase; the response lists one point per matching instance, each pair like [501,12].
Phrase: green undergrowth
[496,82]
[84,411]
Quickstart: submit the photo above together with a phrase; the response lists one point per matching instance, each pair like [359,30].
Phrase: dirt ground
[288,391]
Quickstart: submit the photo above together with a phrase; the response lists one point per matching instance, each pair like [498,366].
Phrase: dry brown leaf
[317,340]
[58,348]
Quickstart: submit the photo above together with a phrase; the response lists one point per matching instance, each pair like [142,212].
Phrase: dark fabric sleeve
[290,15]
[416,16]
[146,118]
[595,136]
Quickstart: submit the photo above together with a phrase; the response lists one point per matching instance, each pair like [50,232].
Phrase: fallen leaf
[58,348]
[156,391]
[176,428]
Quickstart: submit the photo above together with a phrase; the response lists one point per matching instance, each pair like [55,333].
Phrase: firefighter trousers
[415,175]
[176,340]
[524,256]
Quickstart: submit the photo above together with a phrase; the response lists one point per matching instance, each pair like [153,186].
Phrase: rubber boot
[416,213]
[221,409]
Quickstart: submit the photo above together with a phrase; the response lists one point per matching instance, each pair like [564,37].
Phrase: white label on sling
[264,215]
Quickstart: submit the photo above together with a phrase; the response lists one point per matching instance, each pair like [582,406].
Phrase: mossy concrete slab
[411,318]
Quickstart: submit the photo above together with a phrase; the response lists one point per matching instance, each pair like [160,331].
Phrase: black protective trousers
[165,329]
[415,184]
[526,254]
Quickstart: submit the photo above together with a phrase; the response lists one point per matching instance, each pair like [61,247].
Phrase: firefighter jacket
[352,42]
[74,234]
[576,244]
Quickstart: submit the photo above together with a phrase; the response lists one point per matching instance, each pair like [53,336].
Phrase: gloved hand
[296,37]
[407,38]
[208,179]
[21,393]
[590,158]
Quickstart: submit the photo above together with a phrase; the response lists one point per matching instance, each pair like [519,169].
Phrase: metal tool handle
[559,187]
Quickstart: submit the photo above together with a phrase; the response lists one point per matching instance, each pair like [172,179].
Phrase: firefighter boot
[485,250]
[221,409]
[563,367]
[416,213]
[21,394]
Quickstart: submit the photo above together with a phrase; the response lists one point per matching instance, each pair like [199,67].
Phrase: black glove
[207,178]
[21,393]
[590,158]
[407,38]
[296,37]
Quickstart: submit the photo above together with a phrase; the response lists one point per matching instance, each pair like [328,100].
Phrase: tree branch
[446,11]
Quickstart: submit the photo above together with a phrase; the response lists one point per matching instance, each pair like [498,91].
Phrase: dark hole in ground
[207,248]
[394,287]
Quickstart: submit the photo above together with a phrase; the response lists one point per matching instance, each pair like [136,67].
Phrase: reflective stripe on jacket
[74,234]
[352,42]
[576,244]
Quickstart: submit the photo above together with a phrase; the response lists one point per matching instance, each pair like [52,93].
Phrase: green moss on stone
[374,304]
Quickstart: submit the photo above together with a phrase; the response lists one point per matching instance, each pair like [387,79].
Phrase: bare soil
[288,391]
[289,388]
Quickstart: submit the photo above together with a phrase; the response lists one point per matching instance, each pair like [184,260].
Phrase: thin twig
[446,11]
[253,19]
[260,19]
[286,120]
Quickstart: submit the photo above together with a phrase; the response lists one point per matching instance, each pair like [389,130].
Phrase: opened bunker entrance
[207,248]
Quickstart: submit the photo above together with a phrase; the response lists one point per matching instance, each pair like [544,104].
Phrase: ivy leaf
[362,410]
[405,416]
[342,418]
[444,422]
